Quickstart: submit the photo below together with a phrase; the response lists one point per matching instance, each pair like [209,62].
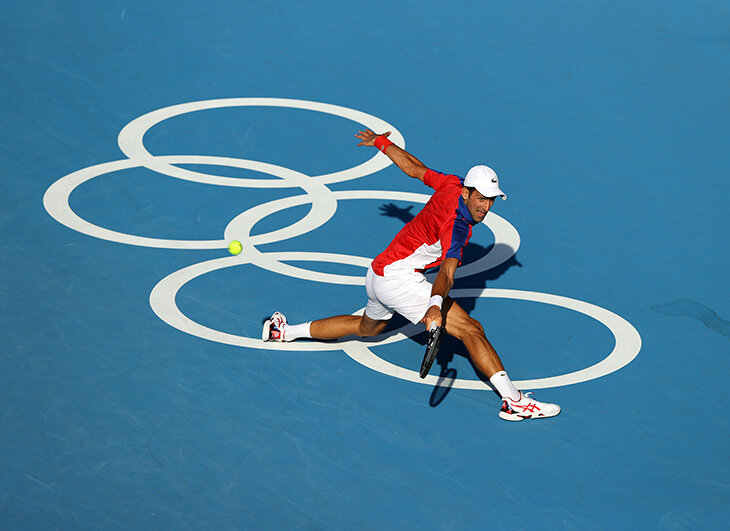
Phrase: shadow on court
[451,346]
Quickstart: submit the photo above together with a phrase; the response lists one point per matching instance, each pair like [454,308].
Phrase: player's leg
[515,404]
[459,324]
[347,325]
[277,329]
[371,323]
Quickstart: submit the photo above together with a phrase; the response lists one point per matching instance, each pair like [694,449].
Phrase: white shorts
[405,292]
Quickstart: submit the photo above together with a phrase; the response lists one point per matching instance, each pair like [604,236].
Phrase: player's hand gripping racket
[432,348]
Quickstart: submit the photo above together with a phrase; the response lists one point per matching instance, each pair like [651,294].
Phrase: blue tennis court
[139,139]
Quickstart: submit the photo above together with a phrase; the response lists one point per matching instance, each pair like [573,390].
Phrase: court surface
[139,138]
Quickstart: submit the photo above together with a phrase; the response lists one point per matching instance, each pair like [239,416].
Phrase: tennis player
[395,281]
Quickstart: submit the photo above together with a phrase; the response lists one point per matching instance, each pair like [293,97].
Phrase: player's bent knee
[474,328]
[366,332]
[370,329]
[459,332]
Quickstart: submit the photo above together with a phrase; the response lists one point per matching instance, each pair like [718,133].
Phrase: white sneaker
[526,408]
[274,328]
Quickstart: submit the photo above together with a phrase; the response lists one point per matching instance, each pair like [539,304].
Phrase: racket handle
[434,326]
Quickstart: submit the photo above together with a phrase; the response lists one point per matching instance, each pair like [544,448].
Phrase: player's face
[477,204]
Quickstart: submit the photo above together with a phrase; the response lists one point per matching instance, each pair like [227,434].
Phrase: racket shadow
[450,348]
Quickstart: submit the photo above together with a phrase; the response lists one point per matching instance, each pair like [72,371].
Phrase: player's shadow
[450,346]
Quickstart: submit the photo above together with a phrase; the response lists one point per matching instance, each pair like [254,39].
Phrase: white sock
[292,332]
[504,386]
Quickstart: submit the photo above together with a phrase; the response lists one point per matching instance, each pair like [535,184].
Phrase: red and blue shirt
[440,230]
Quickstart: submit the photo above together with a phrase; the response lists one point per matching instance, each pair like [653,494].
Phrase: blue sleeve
[455,238]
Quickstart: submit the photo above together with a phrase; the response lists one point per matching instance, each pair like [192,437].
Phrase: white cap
[485,180]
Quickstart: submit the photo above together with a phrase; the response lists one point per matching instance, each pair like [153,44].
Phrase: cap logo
[494,179]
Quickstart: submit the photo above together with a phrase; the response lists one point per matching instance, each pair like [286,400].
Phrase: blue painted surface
[607,124]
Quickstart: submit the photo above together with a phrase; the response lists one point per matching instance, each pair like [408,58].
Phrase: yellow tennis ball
[235,247]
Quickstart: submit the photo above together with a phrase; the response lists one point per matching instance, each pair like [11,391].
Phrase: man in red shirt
[395,280]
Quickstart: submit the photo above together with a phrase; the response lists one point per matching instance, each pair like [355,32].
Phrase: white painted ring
[131,139]
[162,301]
[56,198]
[627,347]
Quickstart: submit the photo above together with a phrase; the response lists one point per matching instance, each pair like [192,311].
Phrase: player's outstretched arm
[404,160]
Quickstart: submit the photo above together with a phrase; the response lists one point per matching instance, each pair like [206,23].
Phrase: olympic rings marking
[323,206]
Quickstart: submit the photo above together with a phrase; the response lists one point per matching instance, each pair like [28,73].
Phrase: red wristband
[382,143]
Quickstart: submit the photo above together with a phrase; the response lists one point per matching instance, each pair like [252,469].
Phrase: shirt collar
[465,211]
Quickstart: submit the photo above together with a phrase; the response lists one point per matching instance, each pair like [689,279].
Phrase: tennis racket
[432,348]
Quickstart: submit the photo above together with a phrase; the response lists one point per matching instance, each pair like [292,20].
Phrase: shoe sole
[510,418]
[518,418]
